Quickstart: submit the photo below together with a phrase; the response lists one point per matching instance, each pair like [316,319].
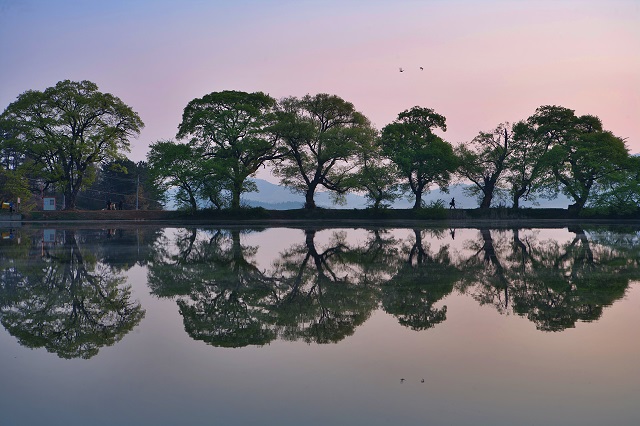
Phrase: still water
[280,326]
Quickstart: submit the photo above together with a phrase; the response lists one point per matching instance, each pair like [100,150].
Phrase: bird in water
[401,70]
[421,69]
[401,380]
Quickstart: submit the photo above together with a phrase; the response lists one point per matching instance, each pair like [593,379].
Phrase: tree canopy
[68,129]
[320,136]
[421,156]
[484,160]
[231,127]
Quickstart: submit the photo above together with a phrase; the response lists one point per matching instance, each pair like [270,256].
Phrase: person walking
[452,204]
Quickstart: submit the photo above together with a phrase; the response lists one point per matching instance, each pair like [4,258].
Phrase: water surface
[320,326]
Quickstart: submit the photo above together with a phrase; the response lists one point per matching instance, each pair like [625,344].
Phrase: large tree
[483,161]
[231,127]
[422,157]
[528,172]
[320,137]
[591,157]
[580,152]
[69,129]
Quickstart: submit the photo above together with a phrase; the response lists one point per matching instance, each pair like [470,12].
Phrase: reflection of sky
[484,62]
[479,367]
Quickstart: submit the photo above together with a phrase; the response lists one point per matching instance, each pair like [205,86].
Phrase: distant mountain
[275,197]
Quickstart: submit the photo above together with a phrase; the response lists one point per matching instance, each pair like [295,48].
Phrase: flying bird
[421,69]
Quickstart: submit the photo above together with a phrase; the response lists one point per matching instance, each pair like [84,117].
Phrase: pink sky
[485,62]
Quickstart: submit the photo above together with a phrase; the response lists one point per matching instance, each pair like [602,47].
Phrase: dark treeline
[68,292]
[73,139]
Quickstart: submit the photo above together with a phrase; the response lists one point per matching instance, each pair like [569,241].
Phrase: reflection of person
[452,204]
[120,205]
[453,233]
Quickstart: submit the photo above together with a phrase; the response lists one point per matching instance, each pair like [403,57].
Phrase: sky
[485,61]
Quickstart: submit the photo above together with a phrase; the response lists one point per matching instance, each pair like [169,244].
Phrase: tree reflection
[321,295]
[61,298]
[553,284]
[321,288]
[423,278]
[223,292]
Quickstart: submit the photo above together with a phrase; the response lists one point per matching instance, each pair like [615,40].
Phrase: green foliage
[422,158]
[375,177]
[231,128]
[484,161]
[619,192]
[180,166]
[555,150]
[586,156]
[67,130]
[320,137]
[14,185]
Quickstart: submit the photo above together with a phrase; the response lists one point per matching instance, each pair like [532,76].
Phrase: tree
[376,177]
[320,136]
[181,166]
[484,161]
[527,171]
[231,127]
[586,155]
[69,129]
[422,157]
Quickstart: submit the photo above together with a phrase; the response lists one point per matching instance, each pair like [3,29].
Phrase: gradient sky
[485,62]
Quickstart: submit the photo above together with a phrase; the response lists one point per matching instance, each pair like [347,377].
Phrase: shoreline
[260,218]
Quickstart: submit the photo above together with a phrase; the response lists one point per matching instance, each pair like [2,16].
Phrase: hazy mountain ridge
[275,197]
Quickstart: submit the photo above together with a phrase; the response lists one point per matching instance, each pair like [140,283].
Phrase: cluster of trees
[321,141]
[71,139]
[65,136]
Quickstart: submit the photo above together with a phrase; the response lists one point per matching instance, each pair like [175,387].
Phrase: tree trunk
[236,190]
[193,202]
[309,202]
[488,195]
[235,199]
[418,203]
[70,196]
[517,195]
[486,200]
